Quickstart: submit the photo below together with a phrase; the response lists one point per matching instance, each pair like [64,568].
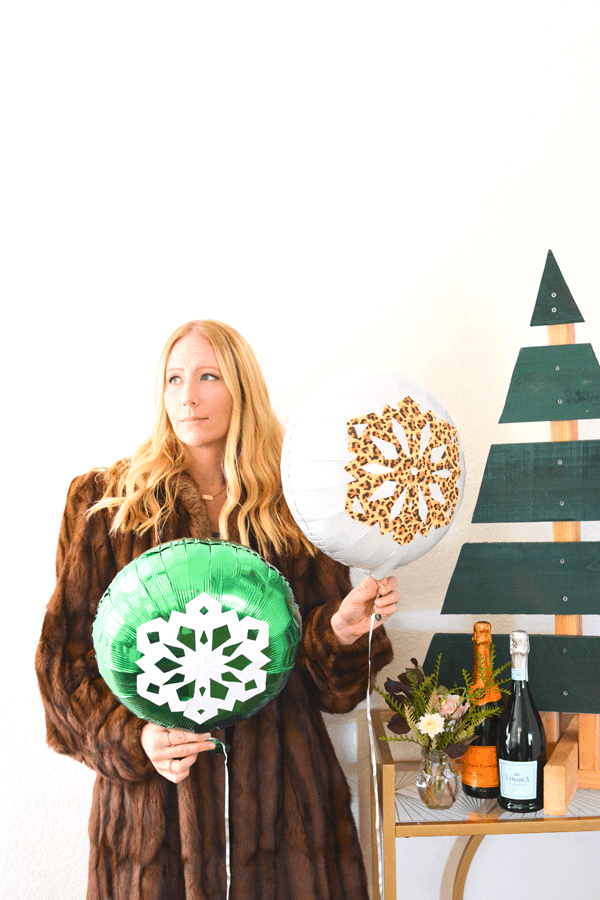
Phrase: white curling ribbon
[227,835]
[378,828]
[182,667]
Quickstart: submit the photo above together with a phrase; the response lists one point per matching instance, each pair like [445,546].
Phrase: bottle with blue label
[521,738]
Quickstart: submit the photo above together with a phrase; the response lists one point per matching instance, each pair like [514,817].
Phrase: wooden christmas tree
[556,481]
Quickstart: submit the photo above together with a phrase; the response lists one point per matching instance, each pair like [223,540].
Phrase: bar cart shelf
[404,815]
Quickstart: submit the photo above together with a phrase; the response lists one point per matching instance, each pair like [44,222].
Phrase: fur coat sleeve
[336,675]
[83,718]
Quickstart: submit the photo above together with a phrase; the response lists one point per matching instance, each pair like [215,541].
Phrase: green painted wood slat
[546,578]
[555,304]
[564,671]
[555,383]
[555,481]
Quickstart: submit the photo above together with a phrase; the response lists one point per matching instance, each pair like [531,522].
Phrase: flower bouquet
[441,721]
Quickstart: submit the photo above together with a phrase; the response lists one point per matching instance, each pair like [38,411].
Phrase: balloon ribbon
[378,830]
[227,841]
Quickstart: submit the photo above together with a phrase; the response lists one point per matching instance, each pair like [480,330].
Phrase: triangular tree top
[555,304]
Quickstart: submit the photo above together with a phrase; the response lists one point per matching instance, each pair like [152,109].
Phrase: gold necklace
[214,496]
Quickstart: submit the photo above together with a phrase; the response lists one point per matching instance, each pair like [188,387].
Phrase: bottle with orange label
[480,761]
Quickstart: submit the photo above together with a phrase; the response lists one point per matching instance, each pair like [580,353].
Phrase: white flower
[431,724]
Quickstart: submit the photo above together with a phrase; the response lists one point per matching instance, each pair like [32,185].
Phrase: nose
[188,395]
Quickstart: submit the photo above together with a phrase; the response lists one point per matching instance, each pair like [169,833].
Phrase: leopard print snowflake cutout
[405,471]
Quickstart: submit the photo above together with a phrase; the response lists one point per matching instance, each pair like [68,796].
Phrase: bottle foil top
[519,642]
[519,651]
[482,633]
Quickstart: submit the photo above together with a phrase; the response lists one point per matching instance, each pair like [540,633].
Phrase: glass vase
[438,779]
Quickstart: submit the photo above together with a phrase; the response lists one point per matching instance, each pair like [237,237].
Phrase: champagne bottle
[521,738]
[479,763]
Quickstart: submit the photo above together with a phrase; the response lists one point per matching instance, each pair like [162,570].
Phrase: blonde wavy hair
[143,489]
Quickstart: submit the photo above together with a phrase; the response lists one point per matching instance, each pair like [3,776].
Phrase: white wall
[343,182]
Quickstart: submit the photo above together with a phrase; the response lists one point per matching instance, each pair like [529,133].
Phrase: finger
[179,738]
[182,737]
[368,586]
[363,592]
[175,776]
[176,769]
[387,601]
[181,766]
[385,614]
[385,608]
[179,751]
[163,749]
[386,585]
[176,779]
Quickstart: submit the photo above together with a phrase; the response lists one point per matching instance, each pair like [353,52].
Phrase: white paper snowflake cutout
[202,661]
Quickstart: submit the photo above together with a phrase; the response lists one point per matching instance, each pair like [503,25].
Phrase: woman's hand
[173,753]
[353,618]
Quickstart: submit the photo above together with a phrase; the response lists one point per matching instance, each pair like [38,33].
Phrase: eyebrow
[196,369]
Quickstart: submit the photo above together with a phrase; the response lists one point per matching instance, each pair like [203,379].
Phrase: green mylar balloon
[197,634]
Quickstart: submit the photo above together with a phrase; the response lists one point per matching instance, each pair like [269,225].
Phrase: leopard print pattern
[413,474]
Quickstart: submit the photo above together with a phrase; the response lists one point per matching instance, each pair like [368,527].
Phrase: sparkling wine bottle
[521,738]
[479,764]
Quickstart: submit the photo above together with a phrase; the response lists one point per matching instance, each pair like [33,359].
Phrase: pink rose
[450,708]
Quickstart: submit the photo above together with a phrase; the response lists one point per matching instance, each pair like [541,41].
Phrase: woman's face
[197,401]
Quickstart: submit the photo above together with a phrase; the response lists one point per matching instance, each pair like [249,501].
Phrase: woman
[211,467]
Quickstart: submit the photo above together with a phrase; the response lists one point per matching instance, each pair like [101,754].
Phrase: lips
[194,419]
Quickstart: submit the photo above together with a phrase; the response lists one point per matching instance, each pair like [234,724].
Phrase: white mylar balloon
[372,469]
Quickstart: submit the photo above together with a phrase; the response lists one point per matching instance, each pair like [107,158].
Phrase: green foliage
[433,716]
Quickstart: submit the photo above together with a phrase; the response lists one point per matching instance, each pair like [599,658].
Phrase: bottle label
[518,780]
[519,674]
[480,767]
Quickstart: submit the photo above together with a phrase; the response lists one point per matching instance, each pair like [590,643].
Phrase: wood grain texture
[561,334]
[589,725]
[551,723]
[566,531]
[561,772]
[568,625]
[555,304]
[564,431]
[589,779]
[526,578]
[560,382]
[541,482]
[589,742]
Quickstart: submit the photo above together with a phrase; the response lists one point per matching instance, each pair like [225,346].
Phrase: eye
[174,379]
[209,377]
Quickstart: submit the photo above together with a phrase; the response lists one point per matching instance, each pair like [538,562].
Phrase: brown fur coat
[292,832]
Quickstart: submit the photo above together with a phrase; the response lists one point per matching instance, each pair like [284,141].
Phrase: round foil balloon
[197,634]
[372,469]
